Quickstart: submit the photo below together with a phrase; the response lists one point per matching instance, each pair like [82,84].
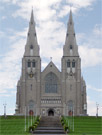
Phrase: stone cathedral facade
[51,92]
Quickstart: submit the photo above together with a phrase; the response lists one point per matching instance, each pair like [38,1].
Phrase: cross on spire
[51,58]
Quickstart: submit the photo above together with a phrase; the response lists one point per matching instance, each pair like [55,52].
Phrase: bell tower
[29,85]
[71,73]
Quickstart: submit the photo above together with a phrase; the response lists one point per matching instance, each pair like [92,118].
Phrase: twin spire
[70,36]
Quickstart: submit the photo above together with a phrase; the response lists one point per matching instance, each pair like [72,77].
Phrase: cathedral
[51,92]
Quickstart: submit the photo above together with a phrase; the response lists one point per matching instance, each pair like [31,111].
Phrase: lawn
[15,125]
[84,125]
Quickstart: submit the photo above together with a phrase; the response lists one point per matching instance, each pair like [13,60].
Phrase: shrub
[66,128]
[31,128]
[63,123]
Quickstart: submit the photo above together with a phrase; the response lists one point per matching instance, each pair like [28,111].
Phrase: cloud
[90,48]
[98,30]
[90,56]
[91,107]
[9,1]
[10,64]
[3,17]
[49,9]
[93,88]
[2,34]
[80,3]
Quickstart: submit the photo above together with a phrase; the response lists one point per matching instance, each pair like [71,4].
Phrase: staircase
[49,125]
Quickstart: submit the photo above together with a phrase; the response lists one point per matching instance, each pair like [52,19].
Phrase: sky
[51,18]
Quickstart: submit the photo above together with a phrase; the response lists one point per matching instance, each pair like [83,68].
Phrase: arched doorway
[31,113]
[50,112]
[70,113]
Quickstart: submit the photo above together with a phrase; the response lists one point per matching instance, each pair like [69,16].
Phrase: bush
[37,122]
[66,128]
[63,123]
[31,128]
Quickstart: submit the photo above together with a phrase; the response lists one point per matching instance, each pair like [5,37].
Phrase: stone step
[48,132]
[50,128]
[49,125]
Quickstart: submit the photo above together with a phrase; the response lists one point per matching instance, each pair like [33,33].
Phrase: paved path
[49,125]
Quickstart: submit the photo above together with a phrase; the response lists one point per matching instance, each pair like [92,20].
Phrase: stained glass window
[73,64]
[51,83]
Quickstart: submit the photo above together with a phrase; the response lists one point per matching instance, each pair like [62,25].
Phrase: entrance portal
[31,113]
[50,112]
[70,113]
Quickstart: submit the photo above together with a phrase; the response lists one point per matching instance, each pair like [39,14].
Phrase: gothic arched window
[73,63]
[71,47]
[51,83]
[29,63]
[33,64]
[70,108]
[31,104]
[31,47]
[68,63]
[70,105]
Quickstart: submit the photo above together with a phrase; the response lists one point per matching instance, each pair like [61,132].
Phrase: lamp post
[28,116]
[97,108]
[25,118]
[4,109]
[73,117]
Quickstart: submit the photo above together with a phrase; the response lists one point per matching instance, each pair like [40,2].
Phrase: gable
[51,68]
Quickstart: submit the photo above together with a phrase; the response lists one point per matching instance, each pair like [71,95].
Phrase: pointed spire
[32,17]
[70,29]
[71,18]
[70,36]
[70,47]
[32,47]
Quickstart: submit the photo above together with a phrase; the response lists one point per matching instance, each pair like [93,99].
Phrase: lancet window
[33,63]
[29,63]
[73,63]
[68,63]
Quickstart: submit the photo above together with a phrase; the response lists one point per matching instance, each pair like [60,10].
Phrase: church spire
[71,18]
[70,42]
[32,43]
[70,30]
[32,17]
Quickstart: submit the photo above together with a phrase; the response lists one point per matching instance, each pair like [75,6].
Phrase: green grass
[14,125]
[84,125]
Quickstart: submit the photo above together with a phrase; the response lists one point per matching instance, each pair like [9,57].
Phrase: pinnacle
[32,17]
